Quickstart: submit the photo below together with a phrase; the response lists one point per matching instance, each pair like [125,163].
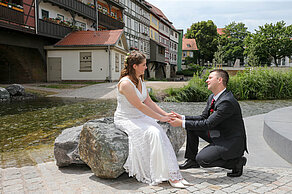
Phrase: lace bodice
[125,109]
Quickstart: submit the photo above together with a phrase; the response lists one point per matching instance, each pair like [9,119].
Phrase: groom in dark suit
[221,125]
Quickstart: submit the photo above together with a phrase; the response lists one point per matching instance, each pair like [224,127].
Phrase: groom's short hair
[222,73]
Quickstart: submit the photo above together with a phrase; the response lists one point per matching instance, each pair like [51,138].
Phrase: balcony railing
[11,15]
[78,7]
[53,30]
[109,22]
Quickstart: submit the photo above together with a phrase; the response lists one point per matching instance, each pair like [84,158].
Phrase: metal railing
[53,30]
[109,22]
[11,15]
[76,6]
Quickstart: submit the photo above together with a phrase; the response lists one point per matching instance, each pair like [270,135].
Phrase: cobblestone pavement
[48,178]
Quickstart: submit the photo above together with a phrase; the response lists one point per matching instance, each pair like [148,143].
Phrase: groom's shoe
[189,163]
[237,171]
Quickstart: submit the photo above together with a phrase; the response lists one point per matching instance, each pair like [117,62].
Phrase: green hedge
[193,69]
[250,84]
[262,84]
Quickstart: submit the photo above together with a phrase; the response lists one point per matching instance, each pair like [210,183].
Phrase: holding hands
[167,117]
[176,121]
[173,118]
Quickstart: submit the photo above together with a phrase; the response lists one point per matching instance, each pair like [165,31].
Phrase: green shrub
[250,84]
[193,69]
[262,84]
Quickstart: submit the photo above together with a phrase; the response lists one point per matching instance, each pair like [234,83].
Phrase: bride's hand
[172,116]
[176,115]
[165,118]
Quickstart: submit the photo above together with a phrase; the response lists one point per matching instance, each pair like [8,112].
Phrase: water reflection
[30,123]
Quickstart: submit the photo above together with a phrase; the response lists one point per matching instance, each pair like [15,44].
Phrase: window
[120,43]
[191,54]
[188,45]
[154,20]
[184,54]
[161,50]
[81,25]
[85,62]
[117,62]
[61,17]
[45,14]
[122,61]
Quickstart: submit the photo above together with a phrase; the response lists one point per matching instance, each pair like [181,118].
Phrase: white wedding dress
[151,157]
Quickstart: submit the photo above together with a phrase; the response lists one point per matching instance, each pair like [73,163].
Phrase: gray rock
[4,95]
[176,135]
[15,90]
[66,147]
[103,148]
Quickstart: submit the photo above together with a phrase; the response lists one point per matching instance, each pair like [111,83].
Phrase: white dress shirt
[214,97]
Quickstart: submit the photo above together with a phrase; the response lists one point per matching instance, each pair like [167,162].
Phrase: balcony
[109,22]
[77,6]
[11,14]
[52,30]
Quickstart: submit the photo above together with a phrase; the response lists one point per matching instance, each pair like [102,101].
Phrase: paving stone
[48,178]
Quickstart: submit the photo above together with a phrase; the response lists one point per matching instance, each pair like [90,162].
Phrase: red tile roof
[220,31]
[91,38]
[189,45]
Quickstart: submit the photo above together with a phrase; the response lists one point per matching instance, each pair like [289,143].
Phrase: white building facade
[137,24]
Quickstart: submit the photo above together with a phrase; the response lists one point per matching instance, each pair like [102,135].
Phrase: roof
[158,12]
[189,45]
[220,31]
[91,38]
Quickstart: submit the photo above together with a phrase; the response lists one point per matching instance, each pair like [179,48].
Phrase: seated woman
[151,157]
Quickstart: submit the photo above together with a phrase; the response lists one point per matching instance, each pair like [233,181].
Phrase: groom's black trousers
[209,156]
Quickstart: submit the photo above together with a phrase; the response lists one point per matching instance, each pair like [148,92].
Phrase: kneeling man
[221,125]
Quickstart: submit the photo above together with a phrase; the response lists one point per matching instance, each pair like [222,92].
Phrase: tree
[219,55]
[252,58]
[205,34]
[271,41]
[233,44]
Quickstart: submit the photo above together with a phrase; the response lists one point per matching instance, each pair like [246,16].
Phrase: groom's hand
[176,122]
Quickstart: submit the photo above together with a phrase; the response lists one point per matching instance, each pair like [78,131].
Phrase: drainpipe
[110,63]
[36,13]
[96,15]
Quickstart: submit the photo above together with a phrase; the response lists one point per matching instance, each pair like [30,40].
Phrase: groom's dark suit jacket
[225,125]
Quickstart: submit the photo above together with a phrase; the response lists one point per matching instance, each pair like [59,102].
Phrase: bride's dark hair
[135,57]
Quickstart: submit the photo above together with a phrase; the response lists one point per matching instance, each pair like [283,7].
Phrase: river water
[28,129]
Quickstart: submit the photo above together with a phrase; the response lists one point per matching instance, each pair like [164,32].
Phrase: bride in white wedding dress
[151,157]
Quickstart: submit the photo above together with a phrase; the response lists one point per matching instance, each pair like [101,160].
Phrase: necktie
[212,106]
[211,111]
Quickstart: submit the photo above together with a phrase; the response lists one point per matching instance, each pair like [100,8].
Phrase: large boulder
[66,147]
[176,135]
[16,90]
[4,95]
[105,149]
